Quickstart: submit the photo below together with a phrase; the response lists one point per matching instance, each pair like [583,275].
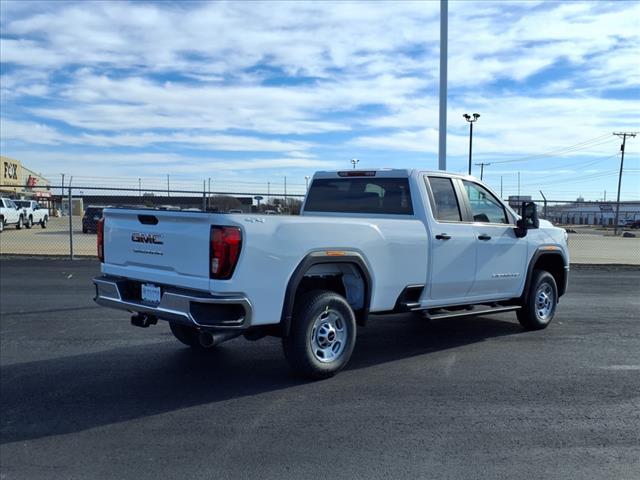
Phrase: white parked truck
[10,214]
[378,241]
[33,213]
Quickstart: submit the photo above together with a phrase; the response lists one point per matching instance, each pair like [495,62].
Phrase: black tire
[1,224]
[43,222]
[542,299]
[323,325]
[20,223]
[185,334]
[29,223]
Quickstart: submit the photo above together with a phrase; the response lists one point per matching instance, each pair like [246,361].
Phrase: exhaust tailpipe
[210,339]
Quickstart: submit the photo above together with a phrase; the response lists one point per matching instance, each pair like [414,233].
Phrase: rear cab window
[371,195]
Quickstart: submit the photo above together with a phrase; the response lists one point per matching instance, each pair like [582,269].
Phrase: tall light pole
[471,121]
[306,181]
[442,124]
[354,162]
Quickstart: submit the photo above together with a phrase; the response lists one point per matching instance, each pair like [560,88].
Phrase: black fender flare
[316,258]
[539,253]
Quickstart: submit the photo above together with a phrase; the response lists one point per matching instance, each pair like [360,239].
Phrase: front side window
[446,207]
[485,207]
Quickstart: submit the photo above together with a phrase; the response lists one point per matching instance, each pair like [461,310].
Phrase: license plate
[150,293]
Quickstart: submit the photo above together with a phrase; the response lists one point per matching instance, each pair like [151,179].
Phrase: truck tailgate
[158,245]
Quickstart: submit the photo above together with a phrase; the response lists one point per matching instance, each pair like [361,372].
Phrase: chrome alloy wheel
[545,301]
[329,336]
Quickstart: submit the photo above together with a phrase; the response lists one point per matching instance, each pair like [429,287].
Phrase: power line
[594,142]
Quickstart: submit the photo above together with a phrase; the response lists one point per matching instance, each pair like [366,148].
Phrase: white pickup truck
[367,242]
[10,214]
[33,213]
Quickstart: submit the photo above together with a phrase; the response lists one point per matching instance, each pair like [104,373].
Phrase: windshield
[23,203]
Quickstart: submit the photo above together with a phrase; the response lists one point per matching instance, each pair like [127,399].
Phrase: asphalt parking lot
[85,395]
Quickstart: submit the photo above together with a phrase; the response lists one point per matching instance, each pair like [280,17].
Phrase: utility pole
[471,121]
[285,193]
[518,186]
[61,192]
[168,189]
[624,136]
[140,188]
[482,165]
[354,162]
[442,126]
[306,181]
[545,204]
[501,188]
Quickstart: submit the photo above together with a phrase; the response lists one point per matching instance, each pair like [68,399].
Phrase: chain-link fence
[65,224]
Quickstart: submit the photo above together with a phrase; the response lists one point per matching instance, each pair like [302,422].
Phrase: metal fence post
[70,224]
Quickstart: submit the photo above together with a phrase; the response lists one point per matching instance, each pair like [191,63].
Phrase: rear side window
[446,206]
[360,195]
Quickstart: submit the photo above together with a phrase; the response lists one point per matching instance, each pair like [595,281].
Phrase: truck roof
[385,172]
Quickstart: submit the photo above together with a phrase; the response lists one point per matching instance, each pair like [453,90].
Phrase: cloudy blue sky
[251,92]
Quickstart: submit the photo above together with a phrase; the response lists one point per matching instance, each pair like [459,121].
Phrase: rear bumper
[189,307]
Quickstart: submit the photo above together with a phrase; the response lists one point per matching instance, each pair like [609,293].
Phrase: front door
[501,256]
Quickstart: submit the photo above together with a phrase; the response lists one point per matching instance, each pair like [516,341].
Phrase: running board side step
[472,312]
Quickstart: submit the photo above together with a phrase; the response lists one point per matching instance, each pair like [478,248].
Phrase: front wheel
[43,222]
[19,224]
[538,311]
[322,335]
[1,224]
[29,222]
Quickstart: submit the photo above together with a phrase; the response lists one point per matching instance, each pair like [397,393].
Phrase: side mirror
[529,219]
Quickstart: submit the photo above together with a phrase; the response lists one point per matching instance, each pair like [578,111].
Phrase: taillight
[100,239]
[224,251]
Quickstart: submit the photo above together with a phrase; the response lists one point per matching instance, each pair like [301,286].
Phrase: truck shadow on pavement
[70,394]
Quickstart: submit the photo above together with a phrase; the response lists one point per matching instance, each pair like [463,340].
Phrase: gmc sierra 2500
[366,242]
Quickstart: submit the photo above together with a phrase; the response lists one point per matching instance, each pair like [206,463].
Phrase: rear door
[452,254]
[501,256]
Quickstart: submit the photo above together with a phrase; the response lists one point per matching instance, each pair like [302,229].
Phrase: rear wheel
[322,335]
[538,311]
[1,224]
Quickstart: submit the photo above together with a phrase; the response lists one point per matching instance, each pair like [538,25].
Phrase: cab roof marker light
[357,173]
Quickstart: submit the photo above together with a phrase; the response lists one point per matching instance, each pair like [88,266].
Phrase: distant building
[18,181]
[592,213]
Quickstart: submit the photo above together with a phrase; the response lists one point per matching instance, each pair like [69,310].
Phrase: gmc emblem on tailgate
[154,238]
